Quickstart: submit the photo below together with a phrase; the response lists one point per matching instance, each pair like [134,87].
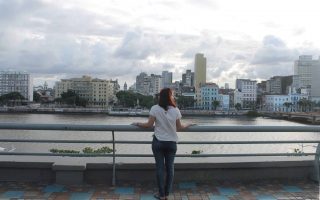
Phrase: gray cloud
[13,9]
[138,45]
[274,51]
[50,40]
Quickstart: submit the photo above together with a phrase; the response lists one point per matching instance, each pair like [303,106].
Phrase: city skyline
[63,39]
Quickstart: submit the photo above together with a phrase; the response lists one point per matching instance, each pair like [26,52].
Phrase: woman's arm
[148,124]
[181,127]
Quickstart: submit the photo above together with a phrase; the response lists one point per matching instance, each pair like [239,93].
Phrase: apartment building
[302,71]
[16,81]
[98,92]
[282,103]
[248,89]
[208,93]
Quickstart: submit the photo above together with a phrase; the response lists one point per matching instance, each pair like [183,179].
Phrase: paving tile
[266,197]
[13,194]
[147,197]
[187,185]
[292,189]
[81,195]
[227,191]
[124,190]
[218,197]
[54,188]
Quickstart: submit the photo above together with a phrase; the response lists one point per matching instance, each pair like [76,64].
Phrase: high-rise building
[188,78]
[273,85]
[156,82]
[315,82]
[200,70]
[166,79]
[14,81]
[248,88]
[279,84]
[98,92]
[303,71]
[140,82]
[286,84]
[151,84]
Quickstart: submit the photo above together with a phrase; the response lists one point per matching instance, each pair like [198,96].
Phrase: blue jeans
[164,153]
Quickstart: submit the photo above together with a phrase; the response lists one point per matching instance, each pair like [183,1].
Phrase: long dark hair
[165,100]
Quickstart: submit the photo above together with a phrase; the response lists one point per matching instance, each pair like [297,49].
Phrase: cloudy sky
[118,39]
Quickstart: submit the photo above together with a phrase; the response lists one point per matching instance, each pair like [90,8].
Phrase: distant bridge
[313,117]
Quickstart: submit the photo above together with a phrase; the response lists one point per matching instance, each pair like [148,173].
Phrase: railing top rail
[131,128]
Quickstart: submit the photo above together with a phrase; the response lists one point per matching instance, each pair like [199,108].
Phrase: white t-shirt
[165,124]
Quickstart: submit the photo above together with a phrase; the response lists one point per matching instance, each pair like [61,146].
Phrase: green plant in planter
[195,152]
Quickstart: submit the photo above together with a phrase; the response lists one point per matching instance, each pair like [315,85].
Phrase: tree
[215,104]
[185,102]
[129,99]
[237,106]
[287,105]
[145,101]
[11,97]
[304,104]
[72,98]
[36,97]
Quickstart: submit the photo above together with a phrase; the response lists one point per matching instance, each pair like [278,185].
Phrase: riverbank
[127,113]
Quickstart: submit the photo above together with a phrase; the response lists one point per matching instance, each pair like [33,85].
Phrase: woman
[166,117]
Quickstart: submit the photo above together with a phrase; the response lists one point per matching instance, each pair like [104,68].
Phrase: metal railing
[129,128]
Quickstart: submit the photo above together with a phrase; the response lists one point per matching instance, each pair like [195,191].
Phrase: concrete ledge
[145,172]
[241,171]
[26,171]
[69,174]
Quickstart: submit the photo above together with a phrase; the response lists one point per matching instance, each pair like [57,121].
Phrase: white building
[278,102]
[275,102]
[14,81]
[98,92]
[237,97]
[248,88]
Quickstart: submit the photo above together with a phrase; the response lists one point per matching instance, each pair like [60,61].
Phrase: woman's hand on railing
[188,125]
[148,124]
[181,127]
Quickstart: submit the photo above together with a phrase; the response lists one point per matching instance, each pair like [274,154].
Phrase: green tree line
[130,99]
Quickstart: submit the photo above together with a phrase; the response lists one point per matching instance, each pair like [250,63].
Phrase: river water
[100,119]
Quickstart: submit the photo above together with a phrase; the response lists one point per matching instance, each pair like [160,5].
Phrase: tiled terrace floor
[260,190]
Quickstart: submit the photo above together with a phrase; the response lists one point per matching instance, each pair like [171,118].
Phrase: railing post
[316,164]
[113,160]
